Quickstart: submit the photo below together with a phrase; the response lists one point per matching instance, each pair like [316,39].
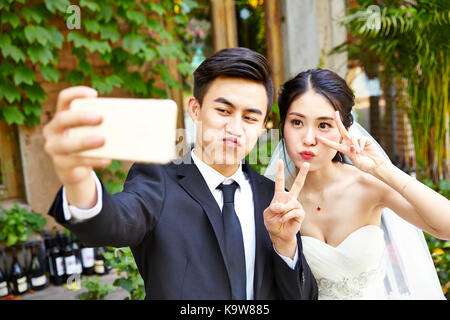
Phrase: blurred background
[394,54]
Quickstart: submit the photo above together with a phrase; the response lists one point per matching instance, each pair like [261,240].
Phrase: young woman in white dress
[344,240]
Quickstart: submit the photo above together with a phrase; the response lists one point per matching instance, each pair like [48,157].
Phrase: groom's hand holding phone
[98,130]
[285,214]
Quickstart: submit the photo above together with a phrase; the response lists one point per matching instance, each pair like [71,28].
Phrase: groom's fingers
[299,180]
[279,178]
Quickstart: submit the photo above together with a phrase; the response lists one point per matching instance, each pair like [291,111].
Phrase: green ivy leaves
[123,35]
[23,75]
[134,43]
[28,47]
[10,50]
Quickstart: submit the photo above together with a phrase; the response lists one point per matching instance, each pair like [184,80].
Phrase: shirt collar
[214,178]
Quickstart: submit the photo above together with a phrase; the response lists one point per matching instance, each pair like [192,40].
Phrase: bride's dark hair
[324,82]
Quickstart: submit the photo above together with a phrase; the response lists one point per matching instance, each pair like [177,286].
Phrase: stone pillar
[300,44]
[331,34]
[310,30]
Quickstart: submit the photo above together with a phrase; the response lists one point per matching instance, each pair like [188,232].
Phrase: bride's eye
[324,125]
[296,122]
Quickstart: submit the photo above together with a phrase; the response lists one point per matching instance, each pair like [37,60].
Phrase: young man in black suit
[205,226]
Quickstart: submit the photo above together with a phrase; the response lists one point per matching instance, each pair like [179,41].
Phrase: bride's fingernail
[352,149]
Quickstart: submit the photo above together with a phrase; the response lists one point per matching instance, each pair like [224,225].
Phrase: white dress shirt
[243,204]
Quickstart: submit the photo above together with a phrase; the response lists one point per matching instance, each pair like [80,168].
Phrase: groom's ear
[193,108]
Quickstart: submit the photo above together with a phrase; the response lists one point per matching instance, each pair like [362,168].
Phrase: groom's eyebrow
[228,103]
[302,116]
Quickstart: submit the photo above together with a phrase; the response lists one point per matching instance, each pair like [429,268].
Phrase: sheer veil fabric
[411,273]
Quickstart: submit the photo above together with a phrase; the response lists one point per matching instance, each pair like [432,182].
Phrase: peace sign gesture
[360,150]
[285,214]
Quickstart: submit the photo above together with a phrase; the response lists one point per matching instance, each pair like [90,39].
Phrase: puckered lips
[307,155]
[232,142]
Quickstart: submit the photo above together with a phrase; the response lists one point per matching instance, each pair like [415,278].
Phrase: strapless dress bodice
[355,269]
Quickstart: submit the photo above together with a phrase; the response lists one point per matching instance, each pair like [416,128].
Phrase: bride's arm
[414,201]
[409,198]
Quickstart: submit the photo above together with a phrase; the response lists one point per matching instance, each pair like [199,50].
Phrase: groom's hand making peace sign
[285,214]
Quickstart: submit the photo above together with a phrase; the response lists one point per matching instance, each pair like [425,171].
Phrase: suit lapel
[260,196]
[191,180]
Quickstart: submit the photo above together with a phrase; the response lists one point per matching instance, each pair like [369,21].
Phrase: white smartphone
[140,130]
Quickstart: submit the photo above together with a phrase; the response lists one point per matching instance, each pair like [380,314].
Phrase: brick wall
[41,182]
[398,142]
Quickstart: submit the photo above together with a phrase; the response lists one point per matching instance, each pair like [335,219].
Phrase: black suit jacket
[172,223]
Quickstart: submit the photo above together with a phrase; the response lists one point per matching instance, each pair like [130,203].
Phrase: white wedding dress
[387,262]
[353,270]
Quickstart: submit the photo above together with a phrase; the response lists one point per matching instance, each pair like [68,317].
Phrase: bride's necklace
[318,206]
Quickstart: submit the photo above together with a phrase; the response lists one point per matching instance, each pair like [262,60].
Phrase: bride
[355,245]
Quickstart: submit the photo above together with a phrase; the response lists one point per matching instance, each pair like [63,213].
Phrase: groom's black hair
[324,82]
[238,62]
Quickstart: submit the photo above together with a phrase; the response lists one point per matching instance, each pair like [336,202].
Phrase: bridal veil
[411,273]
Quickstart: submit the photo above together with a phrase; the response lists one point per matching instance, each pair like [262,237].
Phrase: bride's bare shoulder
[360,178]
[364,186]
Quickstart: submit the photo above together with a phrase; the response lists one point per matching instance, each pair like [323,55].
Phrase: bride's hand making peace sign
[360,150]
[285,214]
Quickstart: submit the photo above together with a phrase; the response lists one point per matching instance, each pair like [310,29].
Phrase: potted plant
[17,224]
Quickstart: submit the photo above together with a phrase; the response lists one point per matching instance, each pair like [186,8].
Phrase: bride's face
[308,116]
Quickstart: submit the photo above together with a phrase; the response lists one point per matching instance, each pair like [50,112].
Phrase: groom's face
[230,119]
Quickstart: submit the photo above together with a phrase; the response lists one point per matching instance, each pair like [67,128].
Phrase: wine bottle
[17,278]
[3,284]
[36,272]
[87,259]
[99,262]
[69,258]
[57,262]
[48,257]
[77,253]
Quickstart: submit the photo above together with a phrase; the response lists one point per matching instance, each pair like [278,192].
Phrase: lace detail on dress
[348,288]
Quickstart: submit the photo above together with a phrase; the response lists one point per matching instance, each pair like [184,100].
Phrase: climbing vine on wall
[130,39]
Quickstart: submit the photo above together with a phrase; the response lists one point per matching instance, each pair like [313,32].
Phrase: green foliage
[261,153]
[17,224]
[412,42]
[440,252]
[129,38]
[259,156]
[440,249]
[96,290]
[122,259]
[128,279]
[114,184]
[443,186]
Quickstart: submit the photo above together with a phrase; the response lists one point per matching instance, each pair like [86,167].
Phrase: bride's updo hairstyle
[324,82]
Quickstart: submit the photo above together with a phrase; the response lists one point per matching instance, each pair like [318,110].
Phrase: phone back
[140,130]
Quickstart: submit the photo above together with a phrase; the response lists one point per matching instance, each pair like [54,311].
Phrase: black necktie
[234,242]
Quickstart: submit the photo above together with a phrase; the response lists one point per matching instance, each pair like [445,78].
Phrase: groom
[195,226]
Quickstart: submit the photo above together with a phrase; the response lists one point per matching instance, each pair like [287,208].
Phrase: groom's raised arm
[124,218]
